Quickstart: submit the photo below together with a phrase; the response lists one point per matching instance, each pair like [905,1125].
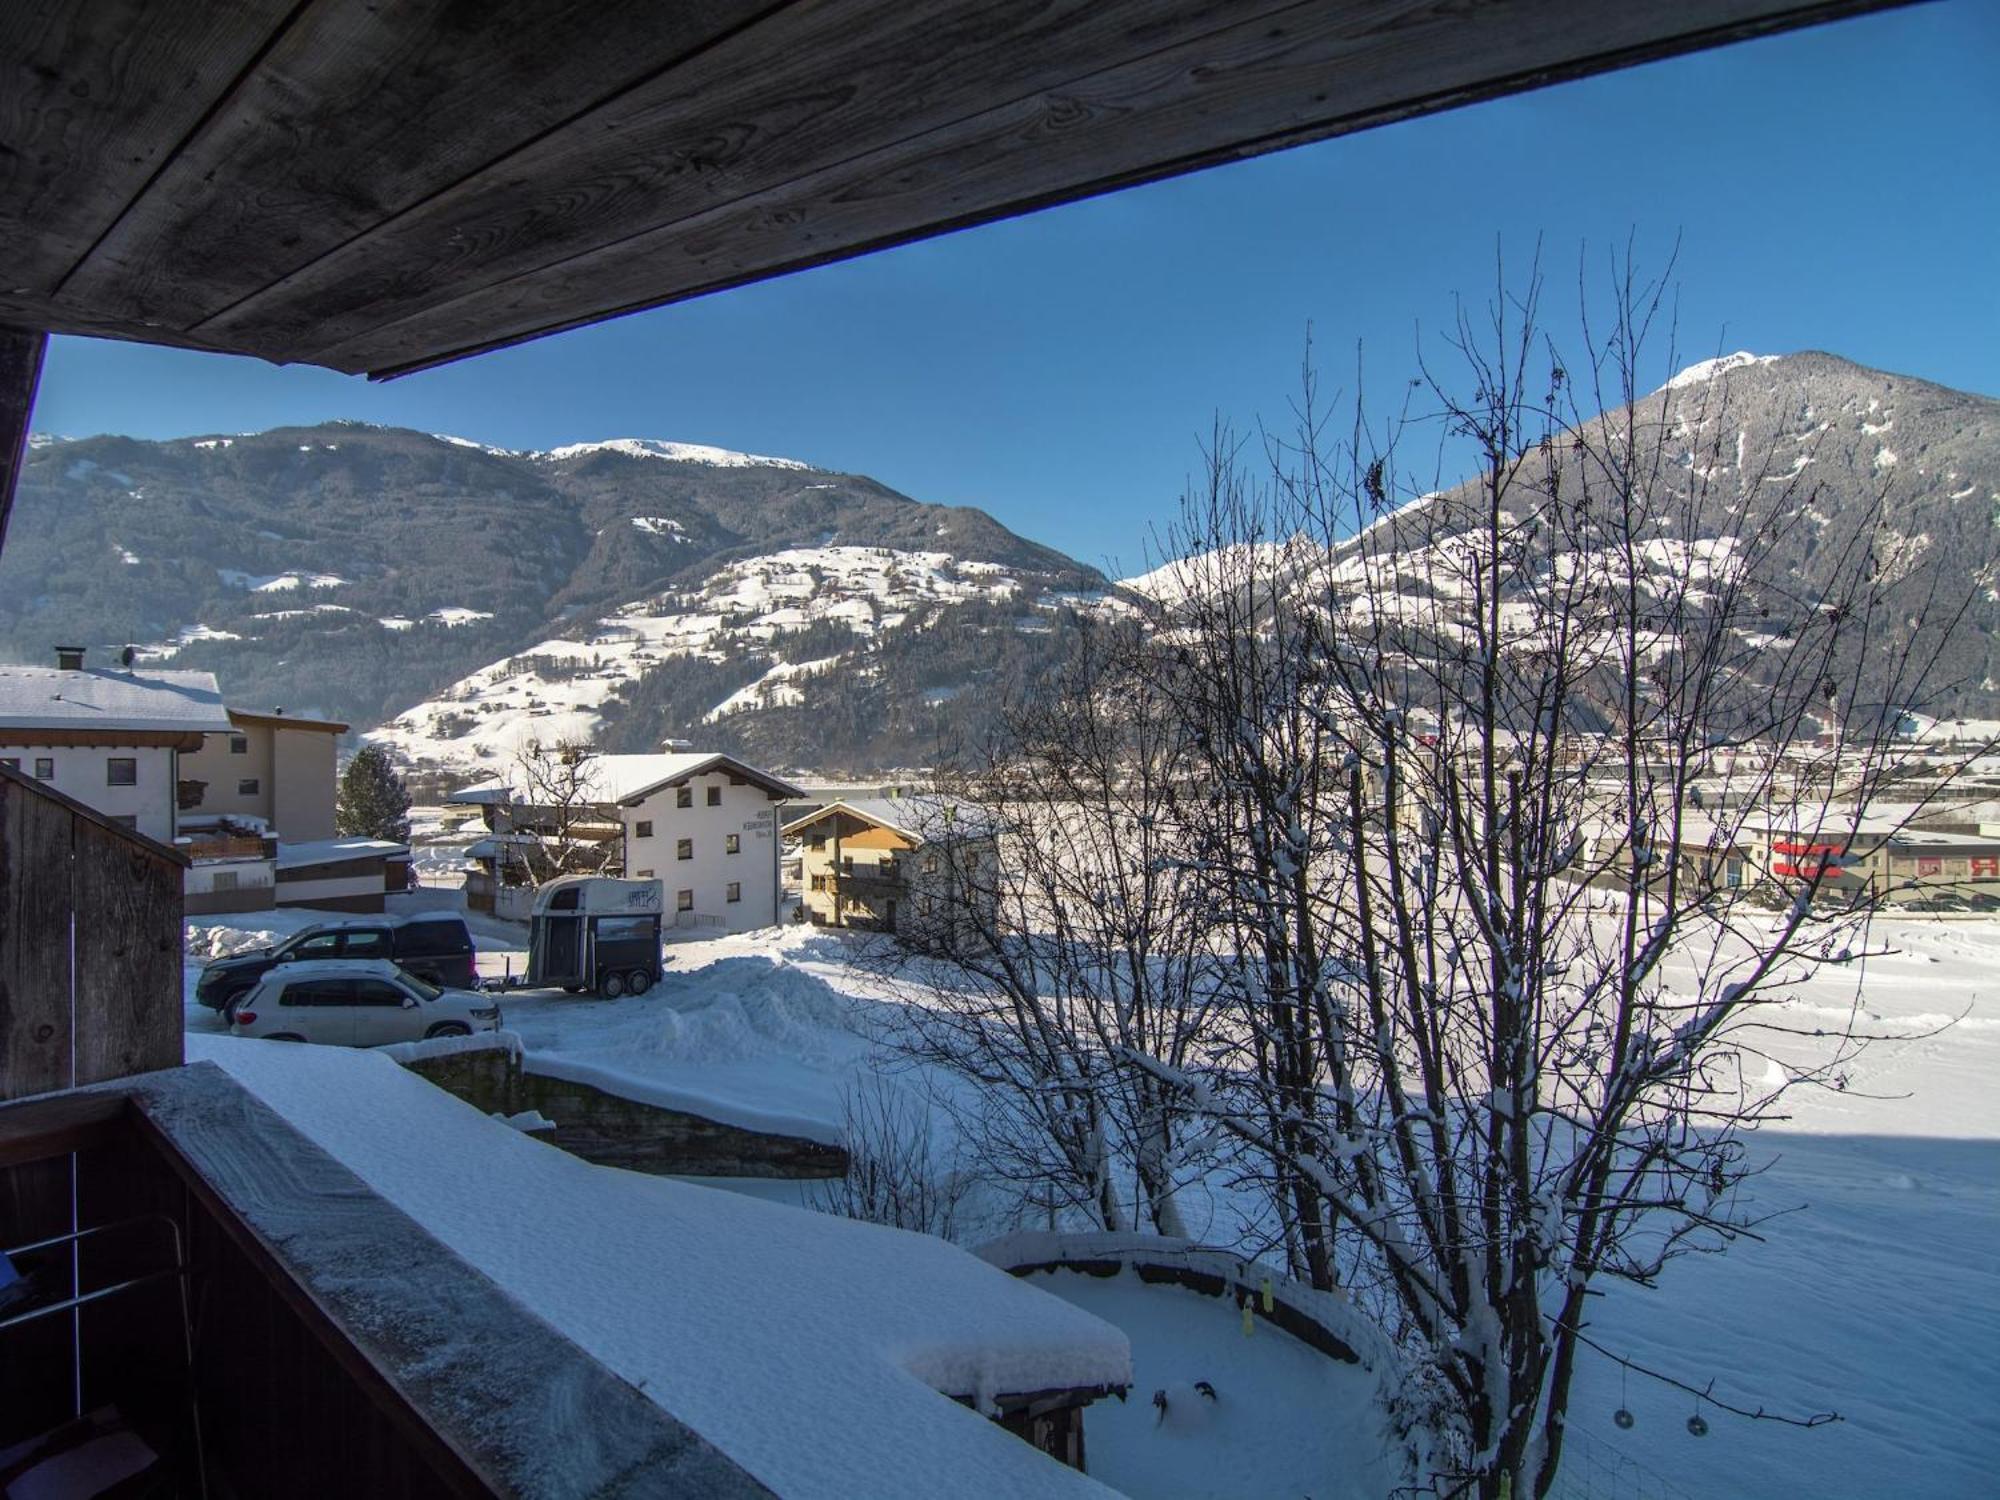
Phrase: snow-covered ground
[1878,1298]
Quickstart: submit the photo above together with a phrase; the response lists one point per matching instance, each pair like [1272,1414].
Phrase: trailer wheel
[638,982]
[611,986]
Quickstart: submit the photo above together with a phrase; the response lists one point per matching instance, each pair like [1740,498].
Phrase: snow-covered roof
[106,698]
[495,791]
[627,778]
[337,851]
[820,1353]
[923,818]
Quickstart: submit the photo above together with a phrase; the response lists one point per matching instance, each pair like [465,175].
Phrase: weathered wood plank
[356,114]
[908,136]
[822,132]
[35,1012]
[51,1125]
[93,99]
[813,83]
[20,375]
[127,983]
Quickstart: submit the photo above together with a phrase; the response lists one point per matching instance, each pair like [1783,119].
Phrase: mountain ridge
[452,597]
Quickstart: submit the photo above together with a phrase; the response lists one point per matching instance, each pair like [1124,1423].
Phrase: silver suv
[357,1003]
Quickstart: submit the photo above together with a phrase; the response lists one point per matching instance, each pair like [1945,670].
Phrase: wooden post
[20,373]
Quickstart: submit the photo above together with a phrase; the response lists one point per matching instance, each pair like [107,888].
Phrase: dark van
[433,946]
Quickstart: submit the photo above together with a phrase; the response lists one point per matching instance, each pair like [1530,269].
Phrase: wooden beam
[1179,93]
[97,98]
[810,84]
[20,375]
[383,188]
[49,1125]
[357,114]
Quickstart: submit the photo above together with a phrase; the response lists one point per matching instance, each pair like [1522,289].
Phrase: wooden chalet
[384,188]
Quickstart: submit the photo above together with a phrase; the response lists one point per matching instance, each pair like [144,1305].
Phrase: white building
[706,827]
[107,736]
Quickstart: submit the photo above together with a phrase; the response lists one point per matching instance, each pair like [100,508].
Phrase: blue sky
[1836,189]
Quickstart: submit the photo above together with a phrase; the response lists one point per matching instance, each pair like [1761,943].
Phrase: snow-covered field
[1878,1297]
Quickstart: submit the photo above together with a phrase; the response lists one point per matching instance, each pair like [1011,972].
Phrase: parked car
[357,1003]
[434,946]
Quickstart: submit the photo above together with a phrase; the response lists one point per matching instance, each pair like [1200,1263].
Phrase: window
[320,945]
[684,849]
[683,796]
[225,880]
[715,796]
[735,780]
[366,945]
[45,768]
[683,900]
[642,875]
[643,829]
[378,992]
[625,929]
[318,992]
[564,900]
[733,891]
[121,770]
[131,821]
[732,843]
[247,787]
[819,841]
[11,762]
[239,744]
[930,864]
[819,882]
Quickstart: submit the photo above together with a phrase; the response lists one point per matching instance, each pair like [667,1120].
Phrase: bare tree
[558,801]
[1485,778]
[1051,968]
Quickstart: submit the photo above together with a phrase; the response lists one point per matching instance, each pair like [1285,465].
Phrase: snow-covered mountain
[463,597]
[781,632]
[1771,464]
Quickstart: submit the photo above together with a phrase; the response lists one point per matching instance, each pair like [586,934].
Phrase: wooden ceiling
[381,187]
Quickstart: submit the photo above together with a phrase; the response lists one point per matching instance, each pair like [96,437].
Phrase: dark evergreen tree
[373,802]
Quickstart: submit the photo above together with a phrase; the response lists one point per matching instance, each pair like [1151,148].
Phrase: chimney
[69,658]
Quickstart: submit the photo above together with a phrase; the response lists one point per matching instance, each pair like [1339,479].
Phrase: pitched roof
[924,818]
[106,698]
[629,778]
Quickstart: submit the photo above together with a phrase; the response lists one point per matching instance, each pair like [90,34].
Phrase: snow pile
[819,1353]
[680,453]
[746,1040]
[1217,1414]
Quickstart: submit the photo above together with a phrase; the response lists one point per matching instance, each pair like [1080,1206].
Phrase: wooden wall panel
[35,1026]
[128,957]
